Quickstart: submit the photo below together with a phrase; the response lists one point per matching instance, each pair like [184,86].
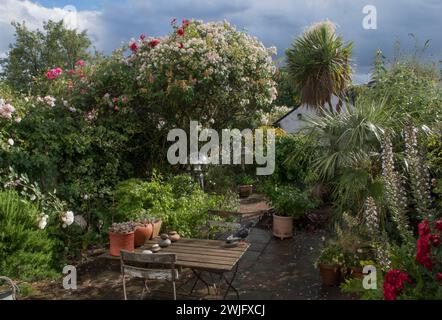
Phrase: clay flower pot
[356,273]
[245,190]
[142,233]
[330,274]
[156,228]
[282,227]
[120,241]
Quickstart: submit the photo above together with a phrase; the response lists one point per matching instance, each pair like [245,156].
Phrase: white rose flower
[42,221]
[67,218]
[10,142]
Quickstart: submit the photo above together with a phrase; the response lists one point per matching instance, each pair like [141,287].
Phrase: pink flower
[142,37]
[153,43]
[71,72]
[6,110]
[125,99]
[53,73]
[133,47]
[186,22]
[80,63]
[180,31]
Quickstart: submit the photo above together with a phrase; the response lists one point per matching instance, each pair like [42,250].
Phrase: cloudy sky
[276,22]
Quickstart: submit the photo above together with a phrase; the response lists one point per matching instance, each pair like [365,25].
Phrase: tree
[35,52]
[319,65]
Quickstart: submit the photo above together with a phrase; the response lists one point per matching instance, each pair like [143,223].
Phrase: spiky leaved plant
[418,174]
[394,190]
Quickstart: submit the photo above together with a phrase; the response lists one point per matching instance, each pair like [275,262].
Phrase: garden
[353,209]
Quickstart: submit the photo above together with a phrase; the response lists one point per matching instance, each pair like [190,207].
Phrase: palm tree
[319,65]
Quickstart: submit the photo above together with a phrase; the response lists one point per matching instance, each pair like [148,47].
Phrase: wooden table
[201,255]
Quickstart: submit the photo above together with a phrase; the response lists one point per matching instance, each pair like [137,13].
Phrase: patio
[270,269]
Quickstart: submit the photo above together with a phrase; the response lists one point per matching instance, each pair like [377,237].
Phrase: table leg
[229,283]
[198,277]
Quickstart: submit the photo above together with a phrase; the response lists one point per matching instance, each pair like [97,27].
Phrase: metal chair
[158,266]
[9,294]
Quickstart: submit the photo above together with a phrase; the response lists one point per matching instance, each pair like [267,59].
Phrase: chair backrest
[160,266]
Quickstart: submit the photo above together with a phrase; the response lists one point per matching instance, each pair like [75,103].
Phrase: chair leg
[174,290]
[124,287]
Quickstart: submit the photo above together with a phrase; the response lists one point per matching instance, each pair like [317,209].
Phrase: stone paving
[270,269]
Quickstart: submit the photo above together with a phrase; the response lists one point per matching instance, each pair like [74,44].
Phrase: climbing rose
[6,110]
[180,32]
[80,63]
[53,73]
[133,47]
[154,42]
[186,22]
[142,36]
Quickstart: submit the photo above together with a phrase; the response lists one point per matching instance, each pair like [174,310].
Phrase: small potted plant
[329,263]
[121,236]
[156,223]
[143,231]
[245,185]
[289,203]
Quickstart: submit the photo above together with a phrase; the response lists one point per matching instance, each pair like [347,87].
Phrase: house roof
[286,115]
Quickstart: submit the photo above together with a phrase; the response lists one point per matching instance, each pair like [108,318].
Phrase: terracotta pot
[330,274]
[120,241]
[142,233]
[245,190]
[156,228]
[356,273]
[282,227]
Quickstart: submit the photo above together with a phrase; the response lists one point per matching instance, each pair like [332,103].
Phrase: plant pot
[156,228]
[142,233]
[330,274]
[120,241]
[245,190]
[282,227]
[356,273]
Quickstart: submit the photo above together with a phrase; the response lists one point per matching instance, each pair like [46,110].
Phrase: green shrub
[178,201]
[291,201]
[25,252]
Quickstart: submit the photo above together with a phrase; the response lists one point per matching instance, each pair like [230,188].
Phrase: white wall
[296,120]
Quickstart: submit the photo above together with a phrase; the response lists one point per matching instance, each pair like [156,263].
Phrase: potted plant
[143,231]
[329,263]
[245,185]
[156,223]
[289,203]
[121,236]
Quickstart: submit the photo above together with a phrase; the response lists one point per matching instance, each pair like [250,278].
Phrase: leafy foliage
[35,52]
[25,251]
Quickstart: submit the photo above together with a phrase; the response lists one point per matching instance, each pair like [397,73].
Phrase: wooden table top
[202,254]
